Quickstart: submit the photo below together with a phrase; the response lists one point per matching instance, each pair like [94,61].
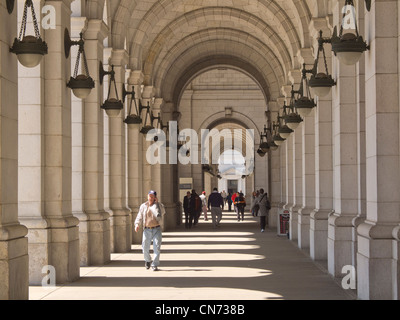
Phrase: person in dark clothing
[195,208]
[229,199]
[240,203]
[186,208]
[216,202]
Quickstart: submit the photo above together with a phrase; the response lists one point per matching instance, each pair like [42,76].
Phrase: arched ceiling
[170,41]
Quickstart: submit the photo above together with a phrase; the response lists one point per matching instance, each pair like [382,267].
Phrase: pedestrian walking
[236,194]
[262,206]
[224,195]
[229,199]
[216,202]
[204,204]
[195,208]
[240,203]
[186,208]
[150,217]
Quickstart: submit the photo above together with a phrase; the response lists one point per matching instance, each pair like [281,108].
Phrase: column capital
[158,103]
[305,55]
[318,24]
[78,25]
[148,92]
[96,30]
[119,57]
[136,77]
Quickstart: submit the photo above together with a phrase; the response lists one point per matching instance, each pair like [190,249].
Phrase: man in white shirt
[150,216]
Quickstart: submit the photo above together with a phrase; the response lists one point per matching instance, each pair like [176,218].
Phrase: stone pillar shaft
[62,225]
[377,258]
[121,227]
[135,156]
[14,264]
[95,224]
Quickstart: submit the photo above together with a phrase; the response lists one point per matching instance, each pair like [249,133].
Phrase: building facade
[74,171]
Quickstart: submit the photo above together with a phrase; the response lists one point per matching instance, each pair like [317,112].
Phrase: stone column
[377,271]
[94,223]
[156,168]
[361,142]
[121,227]
[297,181]
[289,186]
[78,25]
[14,263]
[31,160]
[135,156]
[61,224]
[308,180]
[308,165]
[323,163]
[168,185]
[345,169]
[275,178]
[147,183]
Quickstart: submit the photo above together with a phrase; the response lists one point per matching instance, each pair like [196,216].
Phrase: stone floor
[233,262]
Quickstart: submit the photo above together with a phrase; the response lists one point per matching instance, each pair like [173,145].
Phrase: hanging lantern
[292,119]
[348,47]
[147,127]
[132,118]
[81,84]
[112,105]
[29,49]
[321,83]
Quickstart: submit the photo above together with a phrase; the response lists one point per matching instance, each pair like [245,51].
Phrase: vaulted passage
[103,101]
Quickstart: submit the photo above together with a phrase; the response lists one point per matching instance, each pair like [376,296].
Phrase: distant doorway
[232,186]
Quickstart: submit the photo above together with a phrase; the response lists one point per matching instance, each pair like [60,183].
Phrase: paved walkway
[233,262]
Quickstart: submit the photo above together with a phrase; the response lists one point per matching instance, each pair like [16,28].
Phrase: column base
[121,230]
[293,222]
[38,248]
[94,238]
[303,227]
[377,272]
[340,243]
[64,248]
[319,234]
[14,263]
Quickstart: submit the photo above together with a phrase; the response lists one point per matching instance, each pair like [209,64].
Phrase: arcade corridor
[234,262]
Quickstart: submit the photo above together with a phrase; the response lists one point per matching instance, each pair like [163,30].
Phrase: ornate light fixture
[264,146]
[320,82]
[348,47]
[283,130]
[112,106]
[29,49]
[292,119]
[132,118]
[147,127]
[304,104]
[82,84]
[276,138]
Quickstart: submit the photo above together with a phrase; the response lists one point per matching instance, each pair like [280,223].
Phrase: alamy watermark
[49,280]
[349,280]
[349,19]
